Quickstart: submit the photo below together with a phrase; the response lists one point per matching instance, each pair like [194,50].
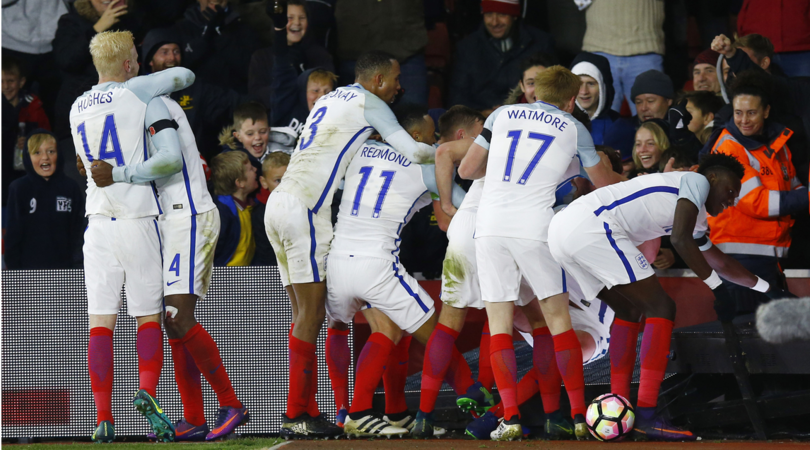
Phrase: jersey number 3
[546,141]
[109,137]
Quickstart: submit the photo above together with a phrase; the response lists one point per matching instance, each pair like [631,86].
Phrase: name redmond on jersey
[94,98]
[538,115]
[385,153]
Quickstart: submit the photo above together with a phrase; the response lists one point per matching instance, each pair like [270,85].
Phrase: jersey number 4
[366,172]
[545,142]
[109,138]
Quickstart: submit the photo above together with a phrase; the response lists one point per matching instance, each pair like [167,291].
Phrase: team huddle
[578,274]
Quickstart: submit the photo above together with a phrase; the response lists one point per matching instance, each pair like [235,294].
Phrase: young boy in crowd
[46,211]
[234,183]
[249,132]
[293,98]
[273,168]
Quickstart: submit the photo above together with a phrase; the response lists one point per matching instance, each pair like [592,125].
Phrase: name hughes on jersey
[540,116]
[384,153]
[95,98]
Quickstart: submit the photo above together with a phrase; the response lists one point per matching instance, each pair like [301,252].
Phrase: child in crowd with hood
[46,211]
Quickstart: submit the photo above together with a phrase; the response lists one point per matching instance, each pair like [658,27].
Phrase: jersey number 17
[545,142]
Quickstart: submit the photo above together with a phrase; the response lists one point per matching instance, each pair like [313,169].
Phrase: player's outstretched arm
[600,172]
[686,213]
[161,83]
[380,116]
[167,159]
[729,268]
[474,164]
[448,155]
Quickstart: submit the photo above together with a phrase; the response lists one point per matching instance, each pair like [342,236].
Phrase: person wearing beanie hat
[652,93]
[45,211]
[488,60]
[704,73]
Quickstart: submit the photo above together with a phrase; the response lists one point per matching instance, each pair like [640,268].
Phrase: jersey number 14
[109,138]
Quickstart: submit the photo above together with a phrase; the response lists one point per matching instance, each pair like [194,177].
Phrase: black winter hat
[652,82]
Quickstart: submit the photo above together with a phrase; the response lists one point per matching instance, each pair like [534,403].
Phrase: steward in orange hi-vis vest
[759,223]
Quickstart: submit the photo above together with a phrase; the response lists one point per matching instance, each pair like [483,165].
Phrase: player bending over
[525,150]
[382,192]
[189,227]
[122,243]
[595,239]
[298,219]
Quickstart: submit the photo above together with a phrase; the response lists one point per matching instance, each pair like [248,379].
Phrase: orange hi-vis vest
[755,225]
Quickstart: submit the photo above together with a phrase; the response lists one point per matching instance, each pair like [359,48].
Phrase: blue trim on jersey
[635,195]
[188,190]
[334,171]
[160,242]
[312,244]
[602,310]
[152,183]
[609,234]
[565,285]
[193,245]
[559,186]
[408,288]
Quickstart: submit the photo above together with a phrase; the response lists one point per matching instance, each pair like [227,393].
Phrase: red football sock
[100,365]
[338,358]
[302,361]
[188,378]
[312,406]
[654,352]
[569,362]
[526,389]
[485,376]
[150,356]
[438,355]
[622,347]
[459,374]
[370,367]
[549,379]
[504,367]
[206,354]
[395,376]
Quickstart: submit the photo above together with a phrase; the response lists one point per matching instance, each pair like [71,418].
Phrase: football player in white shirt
[298,221]
[596,241]
[189,227]
[382,191]
[109,123]
[531,148]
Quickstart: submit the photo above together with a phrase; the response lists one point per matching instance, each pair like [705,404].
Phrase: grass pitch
[232,444]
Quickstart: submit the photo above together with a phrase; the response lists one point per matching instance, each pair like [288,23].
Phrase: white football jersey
[473,197]
[644,207]
[337,126]
[531,147]
[184,193]
[107,123]
[381,192]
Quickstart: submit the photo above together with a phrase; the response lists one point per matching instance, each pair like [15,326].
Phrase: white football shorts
[188,252]
[358,282]
[300,238]
[595,251]
[503,261]
[123,252]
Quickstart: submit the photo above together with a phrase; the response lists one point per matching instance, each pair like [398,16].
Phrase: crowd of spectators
[262,65]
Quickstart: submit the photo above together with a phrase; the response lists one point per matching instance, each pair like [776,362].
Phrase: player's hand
[80,166]
[102,173]
[449,209]
[721,44]
[668,167]
[665,259]
[110,17]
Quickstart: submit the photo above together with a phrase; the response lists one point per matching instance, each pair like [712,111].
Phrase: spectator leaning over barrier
[630,34]
[652,94]
[234,181]
[46,211]
[595,97]
[705,72]
[217,43]
[702,106]
[756,229]
[488,60]
[208,107]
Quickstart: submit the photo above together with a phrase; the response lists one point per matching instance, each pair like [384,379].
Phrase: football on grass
[610,417]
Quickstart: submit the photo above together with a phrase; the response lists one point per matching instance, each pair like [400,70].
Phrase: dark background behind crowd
[663,83]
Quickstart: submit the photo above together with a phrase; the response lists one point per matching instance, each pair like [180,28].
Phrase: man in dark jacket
[45,211]
[218,44]
[488,61]
[208,107]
